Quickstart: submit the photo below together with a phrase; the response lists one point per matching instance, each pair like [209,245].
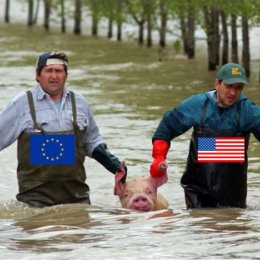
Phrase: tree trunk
[7,11]
[95,11]
[141,32]
[77,17]
[212,41]
[191,34]
[30,21]
[110,26]
[63,20]
[94,30]
[163,17]
[246,49]
[47,12]
[148,13]
[36,12]
[216,33]
[184,33]
[149,40]
[119,31]
[234,48]
[162,41]
[119,19]
[225,38]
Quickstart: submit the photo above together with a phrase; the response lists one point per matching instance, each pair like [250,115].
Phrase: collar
[41,94]
[212,96]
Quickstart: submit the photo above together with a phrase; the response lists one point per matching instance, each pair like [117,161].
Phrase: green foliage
[177,46]
[130,10]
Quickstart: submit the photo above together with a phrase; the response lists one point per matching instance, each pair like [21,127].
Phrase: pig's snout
[142,203]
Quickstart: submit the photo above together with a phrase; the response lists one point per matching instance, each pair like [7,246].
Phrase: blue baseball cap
[50,58]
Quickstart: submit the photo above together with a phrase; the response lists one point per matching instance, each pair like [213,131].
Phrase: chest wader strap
[74,115]
[33,114]
[32,111]
[74,111]
[200,129]
[247,136]
[202,116]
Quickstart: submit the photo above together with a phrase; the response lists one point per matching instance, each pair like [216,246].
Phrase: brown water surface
[129,90]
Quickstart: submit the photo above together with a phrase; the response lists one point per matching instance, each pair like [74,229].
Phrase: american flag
[221,149]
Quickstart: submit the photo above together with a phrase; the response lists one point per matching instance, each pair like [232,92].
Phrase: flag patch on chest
[221,149]
[52,149]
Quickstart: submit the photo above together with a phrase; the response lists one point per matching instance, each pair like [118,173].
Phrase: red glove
[159,165]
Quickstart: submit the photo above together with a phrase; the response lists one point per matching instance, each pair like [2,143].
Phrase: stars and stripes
[221,149]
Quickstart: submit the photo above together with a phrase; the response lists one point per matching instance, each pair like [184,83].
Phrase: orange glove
[159,165]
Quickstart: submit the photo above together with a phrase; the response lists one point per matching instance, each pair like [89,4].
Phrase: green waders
[50,184]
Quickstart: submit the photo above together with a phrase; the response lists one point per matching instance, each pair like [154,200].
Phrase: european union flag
[52,149]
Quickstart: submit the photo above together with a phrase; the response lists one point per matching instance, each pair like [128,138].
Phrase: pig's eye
[149,192]
[125,195]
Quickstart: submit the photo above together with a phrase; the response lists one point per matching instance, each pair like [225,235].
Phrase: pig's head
[139,193]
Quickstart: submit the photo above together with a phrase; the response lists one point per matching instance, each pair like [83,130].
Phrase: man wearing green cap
[222,120]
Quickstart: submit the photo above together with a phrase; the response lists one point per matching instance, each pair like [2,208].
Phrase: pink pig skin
[140,193]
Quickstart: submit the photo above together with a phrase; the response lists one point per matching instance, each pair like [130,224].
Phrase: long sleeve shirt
[188,114]
[16,118]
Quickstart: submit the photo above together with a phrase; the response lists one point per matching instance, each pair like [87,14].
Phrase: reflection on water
[128,99]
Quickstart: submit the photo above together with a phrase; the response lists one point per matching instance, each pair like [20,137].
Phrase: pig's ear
[157,182]
[119,186]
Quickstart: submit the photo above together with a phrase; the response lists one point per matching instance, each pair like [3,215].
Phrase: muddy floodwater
[129,90]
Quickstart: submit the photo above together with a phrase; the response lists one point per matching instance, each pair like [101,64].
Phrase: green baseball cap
[232,73]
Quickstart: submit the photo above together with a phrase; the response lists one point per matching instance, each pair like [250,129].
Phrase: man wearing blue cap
[55,129]
[222,120]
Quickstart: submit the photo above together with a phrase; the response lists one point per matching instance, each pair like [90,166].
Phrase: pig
[140,193]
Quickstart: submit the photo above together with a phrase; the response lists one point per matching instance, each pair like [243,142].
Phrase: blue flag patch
[52,149]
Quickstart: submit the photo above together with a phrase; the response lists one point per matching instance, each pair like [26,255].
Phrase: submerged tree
[234,44]
[36,12]
[211,15]
[7,11]
[47,14]
[119,19]
[108,8]
[186,11]
[149,7]
[225,40]
[77,17]
[30,13]
[96,13]
[63,20]
[136,9]
[245,48]
[163,17]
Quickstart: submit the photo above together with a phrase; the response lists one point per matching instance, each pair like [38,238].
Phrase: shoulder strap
[238,118]
[74,110]
[33,114]
[199,129]
[203,112]
[32,109]
[247,135]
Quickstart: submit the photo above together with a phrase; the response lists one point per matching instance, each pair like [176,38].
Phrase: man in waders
[222,120]
[55,129]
